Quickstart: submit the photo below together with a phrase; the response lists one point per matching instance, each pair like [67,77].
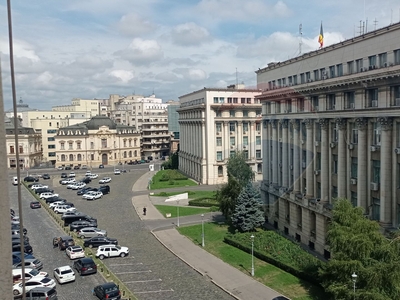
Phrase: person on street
[144,211]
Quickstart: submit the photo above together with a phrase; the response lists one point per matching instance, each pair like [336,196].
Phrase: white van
[15,180]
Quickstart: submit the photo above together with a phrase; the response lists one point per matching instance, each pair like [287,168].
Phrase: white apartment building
[331,129]
[90,106]
[214,124]
[148,115]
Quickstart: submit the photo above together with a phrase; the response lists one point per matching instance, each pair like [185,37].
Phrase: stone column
[296,156]
[204,146]
[386,170]
[310,158]
[341,176]
[265,151]
[252,142]
[362,163]
[285,154]
[240,136]
[274,124]
[227,145]
[324,123]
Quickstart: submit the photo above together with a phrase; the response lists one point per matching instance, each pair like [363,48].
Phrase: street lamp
[177,209]
[252,255]
[354,278]
[202,230]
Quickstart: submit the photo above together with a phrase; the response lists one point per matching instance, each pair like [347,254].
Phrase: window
[377,134]
[245,141]
[382,60]
[376,209]
[396,57]
[350,67]
[71,157]
[302,78]
[229,100]
[235,100]
[52,154]
[354,133]
[395,92]
[12,149]
[62,146]
[78,145]
[308,76]
[372,61]
[330,101]
[246,154]
[51,139]
[216,100]
[314,103]
[232,153]
[124,143]
[245,126]
[221,99]
[248,100]
[349,100]
[79,157]
[334,192]
[359,65]
[398,137]
[331,71]
[220,171]
[51,131]
[219,141]
[51,146]
[259,168]
[339,70]
[70,146]
[232,141]
[219,155]
[353,198]
[372,97]
[258,140]
[103,143]
[323,73]
[232,127]
[316,74]
[290,80]
[218,114]
[231,113]
[258,154]
[21,149]
[245,113]
[334,164]
[258,126]
[318,161]
[354,167]
[218,127]
[376,171]
[294,79]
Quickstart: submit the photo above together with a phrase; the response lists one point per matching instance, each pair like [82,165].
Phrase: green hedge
[203,202]
[172,175]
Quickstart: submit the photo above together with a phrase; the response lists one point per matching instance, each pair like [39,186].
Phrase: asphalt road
[150,271]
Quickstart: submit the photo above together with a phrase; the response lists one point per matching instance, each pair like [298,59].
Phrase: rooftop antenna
[391,16]
[301,40]
[375,23]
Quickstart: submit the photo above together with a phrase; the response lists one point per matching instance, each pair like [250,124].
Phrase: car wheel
[90,246]
[82,236]
[122,254]
[15,292]
[75,230]
[101,257]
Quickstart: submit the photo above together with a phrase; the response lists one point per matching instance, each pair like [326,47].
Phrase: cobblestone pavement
[41,230]
[150,271]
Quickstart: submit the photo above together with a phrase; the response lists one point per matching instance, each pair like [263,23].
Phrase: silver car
[89,232]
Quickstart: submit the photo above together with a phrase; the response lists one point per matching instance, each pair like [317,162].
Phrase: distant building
[173,124]
[97,141]
[214,124]
[90,106]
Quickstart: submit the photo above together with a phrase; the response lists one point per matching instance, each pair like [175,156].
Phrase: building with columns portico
[331,129]
[214,124]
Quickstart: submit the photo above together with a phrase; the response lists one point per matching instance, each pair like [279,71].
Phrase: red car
[35,204]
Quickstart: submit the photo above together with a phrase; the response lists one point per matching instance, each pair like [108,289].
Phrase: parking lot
[150,271]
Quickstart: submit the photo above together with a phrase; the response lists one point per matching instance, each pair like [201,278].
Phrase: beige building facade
[90,106]
[214,124]
[331,129]
[97,141]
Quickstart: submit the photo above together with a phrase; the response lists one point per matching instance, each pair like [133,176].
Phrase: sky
[93,48]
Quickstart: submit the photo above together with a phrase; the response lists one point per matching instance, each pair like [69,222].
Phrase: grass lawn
[157,184]
[183,211]
[268,274]
[192,194]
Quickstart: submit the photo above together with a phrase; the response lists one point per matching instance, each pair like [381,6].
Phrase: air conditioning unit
[258,132]
[374,186]
[371,67]
[232,132]
[316,143]
[353,181]
[310,80]
[333,107]
[280,139]
[397,101]
[397,150]
[351,146]
[374,103]
[218,132]
[316,172]
[332,145]
[374,148]
[352,105]
[244,146]
[303,164]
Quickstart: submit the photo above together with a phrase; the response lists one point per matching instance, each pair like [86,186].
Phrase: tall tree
[248,214]
[238,168]
[357,245]
[227,196]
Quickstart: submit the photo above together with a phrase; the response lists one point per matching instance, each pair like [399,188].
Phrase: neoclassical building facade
[331,129]
[214,124]
[97,141]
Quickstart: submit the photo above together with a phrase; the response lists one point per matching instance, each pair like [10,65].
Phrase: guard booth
[151,167]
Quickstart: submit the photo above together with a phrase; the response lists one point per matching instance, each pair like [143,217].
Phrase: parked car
[86,180]
[67,168]
[85,190]
[76,167]
[43,190]
[36,186]
[117,172]
[84,167]
[42,293]
[64,175]
[92,195]
[71,175]
[99,240]
[17,227]
[78,225]
[101,166]
[78,185]
[29,273]
[69,213]
[16,256]
[31,179]
[93,176]
[68,181]
[56,203]
[16,246]
[74,252]
[111,251]
[47,195]
[107,291]
[46,176]
[63,242]
[78,217]
[54,199]
[60,209]
[85,266]
[105,189]
[89,232]
[37,281]
[64,274]
[32,263]
[35,204]
[60,168]
[105,180]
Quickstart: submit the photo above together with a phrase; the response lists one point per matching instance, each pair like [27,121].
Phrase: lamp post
[202,230]
[252,255]
[177,209]
[354,278]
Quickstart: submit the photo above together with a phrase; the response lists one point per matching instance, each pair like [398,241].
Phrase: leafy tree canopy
[227,196]
[238,168]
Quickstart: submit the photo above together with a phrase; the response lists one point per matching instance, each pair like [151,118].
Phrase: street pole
[252,255]
[177,209]
[354,277]
[202,230]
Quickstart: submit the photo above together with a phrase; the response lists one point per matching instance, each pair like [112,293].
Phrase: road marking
[132,272]
[159,291]
[140,281]
[113,265]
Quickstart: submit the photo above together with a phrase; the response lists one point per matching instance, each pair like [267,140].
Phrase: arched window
[79,157]
[135,153]
[71,157]
[124,154]
[130,153]
[62,157]
[220,171]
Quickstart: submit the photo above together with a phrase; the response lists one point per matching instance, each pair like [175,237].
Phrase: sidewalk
[228,278]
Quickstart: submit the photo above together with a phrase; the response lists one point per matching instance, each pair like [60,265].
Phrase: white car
[74,252]
[60,168]
[111,251]
[117,172]
[47,195]
[29,273]
[54,204]
[71,175]
[93,176]
[39,185]
[37,281]
[79,185]
[71,185]
[88,173]
[105,180]
[91,232]
[93,195]
[68,181]
[64,274]
[64,208]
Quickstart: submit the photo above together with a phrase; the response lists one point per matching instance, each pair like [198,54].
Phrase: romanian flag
[321,37]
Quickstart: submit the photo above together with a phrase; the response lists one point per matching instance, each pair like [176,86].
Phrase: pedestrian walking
[144,211]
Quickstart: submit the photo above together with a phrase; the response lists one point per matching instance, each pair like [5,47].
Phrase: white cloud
[141,52]
[189,34]
[123,75]
[135,25]
[21,48]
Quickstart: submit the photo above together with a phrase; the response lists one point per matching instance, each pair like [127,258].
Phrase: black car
[99,240]
[106,291]
[35,204]
[31,179]
[64,175]
[18,227]
[63,242]
[16,246]
[67,168]
[76,167]
[78,225]
[86,180]
[54,199]
[101,167]
[85,190]
[46,176]
[105,189]
[43,190]
[85,266]
[18,237]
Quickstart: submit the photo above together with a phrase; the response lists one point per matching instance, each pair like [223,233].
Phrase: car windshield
[45,280]
[118,247]
[111,289]
[34,272]
[68,271]
[77,250]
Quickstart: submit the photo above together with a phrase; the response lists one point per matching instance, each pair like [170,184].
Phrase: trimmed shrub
[203,202]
